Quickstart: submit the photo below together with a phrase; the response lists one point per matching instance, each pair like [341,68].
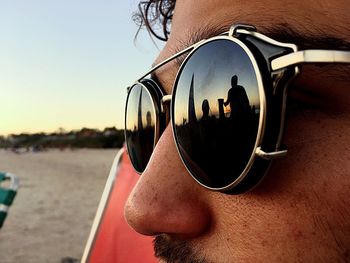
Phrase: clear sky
[67,63]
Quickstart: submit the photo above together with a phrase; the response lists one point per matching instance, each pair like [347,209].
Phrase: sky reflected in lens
[140,108]
[213,77]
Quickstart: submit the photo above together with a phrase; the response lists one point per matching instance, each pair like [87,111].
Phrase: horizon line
[59,130]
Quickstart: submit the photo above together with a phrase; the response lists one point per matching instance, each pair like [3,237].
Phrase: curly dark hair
[155,12]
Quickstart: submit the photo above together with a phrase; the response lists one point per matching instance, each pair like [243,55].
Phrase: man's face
[300,212]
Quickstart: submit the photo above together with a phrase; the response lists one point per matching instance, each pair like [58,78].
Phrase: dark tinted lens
[140,126]
[216,112]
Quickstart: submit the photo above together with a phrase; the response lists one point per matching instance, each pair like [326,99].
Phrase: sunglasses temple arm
[171,58]
[310,56]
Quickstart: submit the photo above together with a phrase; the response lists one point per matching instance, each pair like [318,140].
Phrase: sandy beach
[56,203]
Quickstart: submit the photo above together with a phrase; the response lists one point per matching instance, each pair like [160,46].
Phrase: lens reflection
[140,126]
[216,112]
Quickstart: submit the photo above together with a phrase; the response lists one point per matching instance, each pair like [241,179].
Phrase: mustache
[175,251]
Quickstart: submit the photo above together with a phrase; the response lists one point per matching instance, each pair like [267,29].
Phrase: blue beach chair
[7,194]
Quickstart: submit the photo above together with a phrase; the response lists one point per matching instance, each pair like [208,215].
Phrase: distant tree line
[84,138]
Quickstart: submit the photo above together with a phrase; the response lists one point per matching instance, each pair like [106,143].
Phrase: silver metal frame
[294,59]
[186,50]
[262,117]
[310,56]
[251,30]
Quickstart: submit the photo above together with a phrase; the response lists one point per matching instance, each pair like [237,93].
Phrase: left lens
[140,124]
[216,111]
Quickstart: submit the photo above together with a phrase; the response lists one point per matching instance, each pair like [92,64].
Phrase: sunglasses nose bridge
[165,102]
[165,107]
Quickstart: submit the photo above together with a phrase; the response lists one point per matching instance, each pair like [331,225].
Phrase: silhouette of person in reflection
[204,139]
[207,122]
[238,100]
[215,138]
[239,126]
[205,109]
[148,119]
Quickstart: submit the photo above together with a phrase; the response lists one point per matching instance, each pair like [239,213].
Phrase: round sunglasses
[227,107]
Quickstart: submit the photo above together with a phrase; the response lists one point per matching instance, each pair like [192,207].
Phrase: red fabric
[116,241]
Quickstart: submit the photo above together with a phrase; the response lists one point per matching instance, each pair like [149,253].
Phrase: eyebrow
[306,38]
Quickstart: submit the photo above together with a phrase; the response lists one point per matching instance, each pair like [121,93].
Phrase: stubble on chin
[176,251]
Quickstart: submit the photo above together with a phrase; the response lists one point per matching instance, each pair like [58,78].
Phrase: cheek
[318,154]
[250,225]
[315,173]
[307,191]
[319,147]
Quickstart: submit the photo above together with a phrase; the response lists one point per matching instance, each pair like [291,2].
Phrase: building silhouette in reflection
[192,118]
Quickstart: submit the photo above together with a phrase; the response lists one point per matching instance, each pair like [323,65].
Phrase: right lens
[140,126]
[216,111]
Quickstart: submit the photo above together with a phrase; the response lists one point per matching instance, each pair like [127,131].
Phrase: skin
[300,212]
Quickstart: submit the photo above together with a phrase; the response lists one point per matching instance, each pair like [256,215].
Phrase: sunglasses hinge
[233,29]
[164,102]
[270,155]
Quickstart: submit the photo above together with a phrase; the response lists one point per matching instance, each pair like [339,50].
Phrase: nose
[166,199]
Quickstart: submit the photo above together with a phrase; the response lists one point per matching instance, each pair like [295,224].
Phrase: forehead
[196,13]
